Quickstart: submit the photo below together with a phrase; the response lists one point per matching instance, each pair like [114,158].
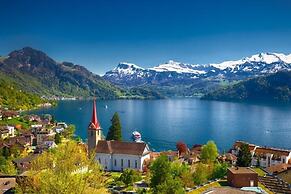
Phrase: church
[115,155]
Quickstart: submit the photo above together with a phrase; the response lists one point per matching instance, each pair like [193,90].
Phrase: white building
[264,156]
[117,155]
[267,157]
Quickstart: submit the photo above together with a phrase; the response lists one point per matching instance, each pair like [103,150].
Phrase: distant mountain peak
[126,65]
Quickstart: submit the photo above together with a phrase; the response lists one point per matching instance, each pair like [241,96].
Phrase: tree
[220,170]
[165,177]
[209,152]
[114,132]
[172,186]
[58,138]
[7,167]
[181,147]
[201,174]
[160,171]
[5,152]
[244,157]
[130,176]
[69,131]
[65,169]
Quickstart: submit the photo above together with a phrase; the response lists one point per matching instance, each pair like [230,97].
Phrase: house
[33,118]
[6,131]
[23,164]
[49,144]
[238,144]
[283,171]
[242,177]
[196,149]
[10,114]
[171,155]
[264,156]
[228,157]
[118,155]
[44,135]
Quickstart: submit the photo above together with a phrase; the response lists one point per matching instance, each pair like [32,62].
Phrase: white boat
[136,136]
[105,106]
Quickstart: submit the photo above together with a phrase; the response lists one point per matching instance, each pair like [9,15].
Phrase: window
[135,164]
[115,162]
[99,161]
[92,133]
[122,162]
[128,164]
[283,160]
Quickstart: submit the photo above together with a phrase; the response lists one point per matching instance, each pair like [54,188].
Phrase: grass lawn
[16,121]
[259,171]
[208,186]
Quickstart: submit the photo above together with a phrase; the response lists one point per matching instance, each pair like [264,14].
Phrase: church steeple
[94,120]
[94,129]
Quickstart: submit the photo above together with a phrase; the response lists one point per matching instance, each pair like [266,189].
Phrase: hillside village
[132,167]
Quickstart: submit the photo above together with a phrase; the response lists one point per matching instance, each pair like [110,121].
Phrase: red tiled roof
[278,168]
[274,151]
[120,147]
[239,144]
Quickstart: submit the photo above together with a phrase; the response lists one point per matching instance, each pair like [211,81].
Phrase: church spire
[94,120]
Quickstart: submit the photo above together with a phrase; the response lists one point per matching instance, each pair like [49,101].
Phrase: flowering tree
[181,147]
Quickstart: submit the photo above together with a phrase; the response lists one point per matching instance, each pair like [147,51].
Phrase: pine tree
[244,156]
[114,132]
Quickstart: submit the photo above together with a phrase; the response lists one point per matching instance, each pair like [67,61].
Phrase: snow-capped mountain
[173,72]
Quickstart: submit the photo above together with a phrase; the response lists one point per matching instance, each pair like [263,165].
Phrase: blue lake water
[164,122]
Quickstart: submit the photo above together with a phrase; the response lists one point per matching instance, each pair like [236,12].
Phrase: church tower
[94,130]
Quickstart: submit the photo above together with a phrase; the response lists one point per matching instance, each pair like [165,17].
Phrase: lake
[164,122]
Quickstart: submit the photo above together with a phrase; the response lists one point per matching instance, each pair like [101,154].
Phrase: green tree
[7,167]
[5,152]
[201,174]
[220,170]
[65,169]
[58,138]
[165,177]
[244,157]
[130,176]
[114,132]
[69,131]
[209,152]
[172,186]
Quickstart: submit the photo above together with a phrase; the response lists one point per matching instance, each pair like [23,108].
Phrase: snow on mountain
[177,72]
[127,68]
[172,66]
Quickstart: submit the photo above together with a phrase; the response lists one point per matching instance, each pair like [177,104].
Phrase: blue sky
[99,34]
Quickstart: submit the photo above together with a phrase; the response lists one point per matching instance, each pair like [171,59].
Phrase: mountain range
[183,79]
[35,72]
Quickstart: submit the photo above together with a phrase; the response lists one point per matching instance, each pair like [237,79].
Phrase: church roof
[120,147]
[94,124]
